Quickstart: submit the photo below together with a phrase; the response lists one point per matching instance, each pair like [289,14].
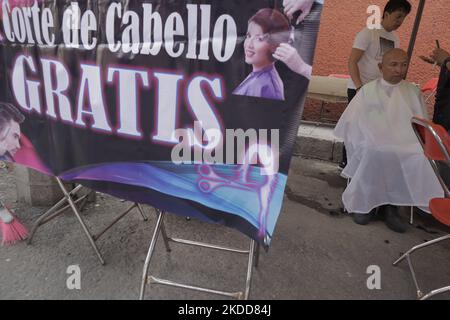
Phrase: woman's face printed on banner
[257,48]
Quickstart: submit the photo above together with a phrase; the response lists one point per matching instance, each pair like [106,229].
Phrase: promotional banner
[189,106]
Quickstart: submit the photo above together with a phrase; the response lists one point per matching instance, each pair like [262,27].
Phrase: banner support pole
[68,197]
[56,211]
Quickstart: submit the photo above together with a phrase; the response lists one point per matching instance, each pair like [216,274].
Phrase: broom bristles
[13,232]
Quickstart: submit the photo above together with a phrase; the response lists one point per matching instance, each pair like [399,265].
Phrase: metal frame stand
[406,256]
[252,252]
[322,107]
[345,209]
[323,120]
[56,211]
[411,216]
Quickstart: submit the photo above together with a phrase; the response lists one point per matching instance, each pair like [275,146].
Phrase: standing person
[441,113]
[369,47]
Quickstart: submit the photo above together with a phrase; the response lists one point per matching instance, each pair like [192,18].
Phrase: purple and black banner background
[111,90]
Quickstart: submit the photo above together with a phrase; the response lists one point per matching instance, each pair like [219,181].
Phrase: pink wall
[342,19]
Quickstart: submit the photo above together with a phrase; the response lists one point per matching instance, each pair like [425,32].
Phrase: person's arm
[293,6]
[441,57]
[289,55]
[361,44]
[353,68]
[423,112]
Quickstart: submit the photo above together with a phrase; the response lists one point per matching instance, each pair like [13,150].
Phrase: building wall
[343,19]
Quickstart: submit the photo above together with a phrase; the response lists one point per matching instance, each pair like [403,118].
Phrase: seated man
[385,160]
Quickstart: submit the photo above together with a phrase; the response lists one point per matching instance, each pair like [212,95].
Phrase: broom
[11,229]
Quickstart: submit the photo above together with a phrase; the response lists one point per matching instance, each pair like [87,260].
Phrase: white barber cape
[385,160]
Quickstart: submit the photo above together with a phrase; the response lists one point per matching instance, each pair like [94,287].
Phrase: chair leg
[250,268]
[421,246]
[257,254]
[83,225]
[321,111]
[435,292]
[51,213]
[408,259]
[151,250]
[345,209]
[166,238]
[413,274]
[411,216]
[141,211]
[117,219]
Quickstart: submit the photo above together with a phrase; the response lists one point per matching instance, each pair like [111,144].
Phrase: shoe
[363,218]
[381,213]
[393,220]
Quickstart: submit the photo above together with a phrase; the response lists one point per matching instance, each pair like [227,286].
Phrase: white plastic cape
[385,160]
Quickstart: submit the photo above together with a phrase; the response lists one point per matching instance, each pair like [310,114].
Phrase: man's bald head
[395,53]
[394,65]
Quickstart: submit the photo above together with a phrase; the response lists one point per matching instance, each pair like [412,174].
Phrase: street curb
[318,142]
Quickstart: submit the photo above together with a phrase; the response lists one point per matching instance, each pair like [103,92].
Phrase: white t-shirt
[375,43]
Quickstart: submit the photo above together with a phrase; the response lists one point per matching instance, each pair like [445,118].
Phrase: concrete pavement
[317,251]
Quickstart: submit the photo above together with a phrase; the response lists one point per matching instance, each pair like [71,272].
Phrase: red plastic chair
[435,142]
[430,86]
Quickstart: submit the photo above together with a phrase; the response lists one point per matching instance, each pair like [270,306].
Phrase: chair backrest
[435,142]
[430,85]
[433,138]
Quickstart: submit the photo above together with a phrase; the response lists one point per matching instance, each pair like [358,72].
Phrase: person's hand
[289,55]
[440,55]
[427,59]
[292,6]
